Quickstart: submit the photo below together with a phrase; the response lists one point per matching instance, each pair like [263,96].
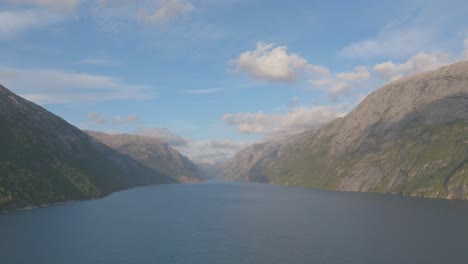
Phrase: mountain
[409,137]
[153,153]
[44,160]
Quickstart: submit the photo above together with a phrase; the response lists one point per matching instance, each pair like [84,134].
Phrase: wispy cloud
[104,62]
[358,74]
[421,28]
[167,11]
[211,151]
[56,86]
[63,5]
[163,134]
[295,121]
[16,22]
[421,62]
[390,42]
[112,15]
[201,91]
[201,151]
[99,119]
[343,83]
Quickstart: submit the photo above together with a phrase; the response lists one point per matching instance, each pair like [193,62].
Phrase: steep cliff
[408,137]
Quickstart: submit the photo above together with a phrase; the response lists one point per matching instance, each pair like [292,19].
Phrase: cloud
[56,86]
[113,15]
[339,89]
[98,62]
[389,43]
[421,62]
[167,11]
[64,5]
[419,28]
[359,73]
[414,31]
[272,63]
[295,121]
[99,119]
[295,101]
[201,151]
[202,91]
[343,83]
[465,52]
[211,151]
[125,120]
[163,134]
[13,23]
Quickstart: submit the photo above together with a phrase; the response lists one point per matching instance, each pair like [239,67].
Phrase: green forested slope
[409,137]
[44,160]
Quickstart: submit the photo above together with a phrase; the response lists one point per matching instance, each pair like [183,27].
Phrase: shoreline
[29,208]
[240,181]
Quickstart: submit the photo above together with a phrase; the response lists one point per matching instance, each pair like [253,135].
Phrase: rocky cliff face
[409,137]
[153,153]
[45,160]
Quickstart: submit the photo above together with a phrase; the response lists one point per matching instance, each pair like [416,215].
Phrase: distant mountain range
[153,153]
[409,137]
[44,160]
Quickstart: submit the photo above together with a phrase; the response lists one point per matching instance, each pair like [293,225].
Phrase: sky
[212,76]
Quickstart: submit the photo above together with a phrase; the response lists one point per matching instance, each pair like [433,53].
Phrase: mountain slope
[45,160]
[409,137]
[153,153]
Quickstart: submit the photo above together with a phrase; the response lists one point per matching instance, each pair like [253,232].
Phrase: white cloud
[359,73]
[163,134]
[297,120]
[167,11]
[273,63]
[343,83]
[16,22]
[98,62]
[340,88]
[65,5]
[125,120]
[389,43]
[55,86]
[202,91]
[421,62]
[99,119]
[202,151]
[210,151]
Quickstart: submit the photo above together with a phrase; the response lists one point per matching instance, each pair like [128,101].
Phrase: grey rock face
[407,137]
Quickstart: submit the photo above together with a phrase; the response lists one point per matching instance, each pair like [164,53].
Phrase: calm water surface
[238,223]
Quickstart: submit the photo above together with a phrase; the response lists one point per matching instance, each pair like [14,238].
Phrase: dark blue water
[238,223]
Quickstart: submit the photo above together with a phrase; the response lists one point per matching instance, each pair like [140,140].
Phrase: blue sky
[211,76]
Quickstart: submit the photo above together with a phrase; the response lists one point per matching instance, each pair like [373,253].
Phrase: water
[238,223]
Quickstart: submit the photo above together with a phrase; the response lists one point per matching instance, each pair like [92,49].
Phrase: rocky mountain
[409,137]
[153,153]
[45,160]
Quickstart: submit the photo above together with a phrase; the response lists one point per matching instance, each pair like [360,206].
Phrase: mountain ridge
[152,152]
[45,160]
[407,137]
